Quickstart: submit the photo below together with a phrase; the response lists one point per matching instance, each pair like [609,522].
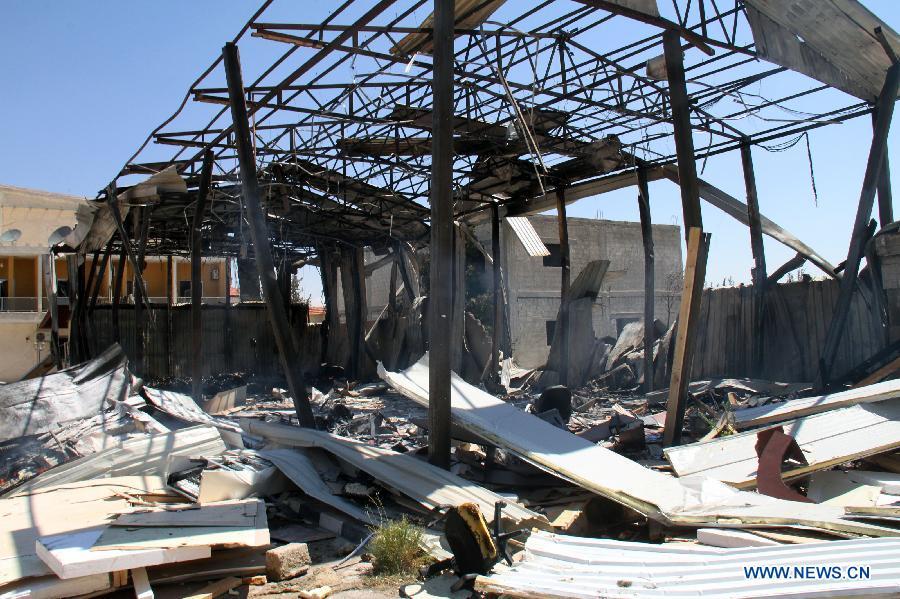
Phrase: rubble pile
[176,497]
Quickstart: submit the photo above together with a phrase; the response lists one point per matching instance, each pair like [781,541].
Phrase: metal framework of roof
[547,94]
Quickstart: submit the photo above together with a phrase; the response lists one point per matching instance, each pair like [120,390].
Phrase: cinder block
[287,561]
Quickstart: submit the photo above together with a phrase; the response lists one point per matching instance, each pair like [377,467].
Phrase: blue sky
[85,82]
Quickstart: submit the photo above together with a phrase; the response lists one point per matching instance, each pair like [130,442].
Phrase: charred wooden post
[95,292]
[353,286]
[695,270]
[759,259]
[127,249]
[170,288]
[197,279]
[877,153]
[229,354]
[49,272]
[248,280]
[688,314]
[141,299]
[117,295]
[439,311]
[498,294]
[458,319]
[101,274]
[565,275]
[260,235]
[684,143]
[331,328]
[75,285]
[649,281]
[283,277]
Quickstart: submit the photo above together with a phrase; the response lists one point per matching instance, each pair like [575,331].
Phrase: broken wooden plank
[806,406]
[686,334]
[69,555]
[142,588]
[254,533]
[86,504]
[826,439]
[216,589]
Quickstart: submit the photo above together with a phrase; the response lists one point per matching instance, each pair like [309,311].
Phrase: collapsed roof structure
[336,135]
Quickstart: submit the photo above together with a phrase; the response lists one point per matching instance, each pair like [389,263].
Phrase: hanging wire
[787,145]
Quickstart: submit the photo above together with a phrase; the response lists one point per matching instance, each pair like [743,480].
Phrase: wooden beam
[197,278]
[439,310]
[877,153]
[354,290]
[565,274]
[141,299]
[497,295]
[792,264]
[287,351]
[649,281]
[681,120]
[758,272]
[885,194]
[100,276]
[117,295]
[458,318]
[170,287]
[229,344]
[328,273]
[688,315]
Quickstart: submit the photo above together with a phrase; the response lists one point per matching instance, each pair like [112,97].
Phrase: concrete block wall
[534,288]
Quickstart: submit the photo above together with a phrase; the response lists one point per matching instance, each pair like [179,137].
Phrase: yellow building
[30,222]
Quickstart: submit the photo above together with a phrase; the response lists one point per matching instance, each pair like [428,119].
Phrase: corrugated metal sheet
[805,406]
[826,440]
[524,230]
[559,566]
[695,501]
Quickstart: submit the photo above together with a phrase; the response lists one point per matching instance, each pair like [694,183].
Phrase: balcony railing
[21,304]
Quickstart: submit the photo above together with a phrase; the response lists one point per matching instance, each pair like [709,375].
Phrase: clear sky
[84,82]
